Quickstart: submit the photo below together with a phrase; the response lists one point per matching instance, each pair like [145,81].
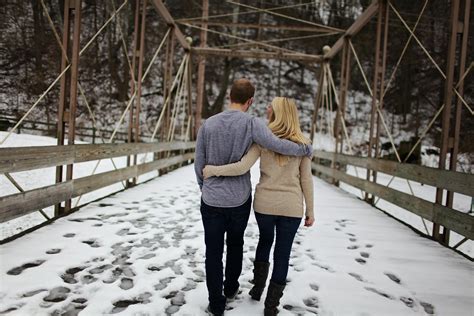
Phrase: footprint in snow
[53,251]
[72,309]
[29,265]
[314,286]
[371,289]
[429,309]
[92,242]
[87,279]
[122,232]
[356,276]
[311,256]
[31,293]
[408,301]
[115,274]
[312,301]
[360,260]
[364,254]
[126,283]
[68,276]
[121,305]
[11,309]
[57,294]
[163,283]
[297,310]
[190,285]
[100,269]
[393,277]
[324,267]
[147,256]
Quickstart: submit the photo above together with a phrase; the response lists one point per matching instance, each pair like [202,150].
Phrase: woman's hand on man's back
[208,171]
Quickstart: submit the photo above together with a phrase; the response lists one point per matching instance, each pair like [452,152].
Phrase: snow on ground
[141,252]
[42,177]
[462,203]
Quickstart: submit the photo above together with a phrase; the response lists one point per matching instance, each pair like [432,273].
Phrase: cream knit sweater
[281,189]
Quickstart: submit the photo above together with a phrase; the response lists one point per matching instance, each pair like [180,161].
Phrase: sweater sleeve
[200,157]
[306,180]
[236,168]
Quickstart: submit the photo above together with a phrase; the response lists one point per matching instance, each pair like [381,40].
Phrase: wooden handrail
[16,205]
[15,159]
[450,180]
[457,221]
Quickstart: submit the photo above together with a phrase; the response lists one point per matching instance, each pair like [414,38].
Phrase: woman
[278,204]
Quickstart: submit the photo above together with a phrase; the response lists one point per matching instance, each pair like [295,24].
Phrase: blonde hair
[284,123]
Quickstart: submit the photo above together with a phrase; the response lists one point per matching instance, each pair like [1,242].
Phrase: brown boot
[275,292]
[260,273]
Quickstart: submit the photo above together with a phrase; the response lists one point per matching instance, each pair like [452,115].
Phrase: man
[226,201]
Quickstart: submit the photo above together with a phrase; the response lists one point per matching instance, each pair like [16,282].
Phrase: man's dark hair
[242,90]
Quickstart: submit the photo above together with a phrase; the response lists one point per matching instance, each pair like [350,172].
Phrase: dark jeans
[217,222]
[286,228]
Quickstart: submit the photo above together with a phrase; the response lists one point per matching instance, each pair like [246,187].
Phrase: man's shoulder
[226,115]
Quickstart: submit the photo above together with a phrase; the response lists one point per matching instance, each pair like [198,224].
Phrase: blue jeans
[285,228]
[218,221]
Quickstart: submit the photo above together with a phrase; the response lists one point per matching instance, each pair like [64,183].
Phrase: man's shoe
[233,295]
[210,312]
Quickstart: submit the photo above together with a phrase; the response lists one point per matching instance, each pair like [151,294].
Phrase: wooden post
[168,79]
[450,138]
[72,9]
[133,81]
[344,85]
[343,95]
[379,70]
[141,49]
[58,210]
[317,101]
[73,88]
[385,8]
[201,67]
[189,87]
[340,113]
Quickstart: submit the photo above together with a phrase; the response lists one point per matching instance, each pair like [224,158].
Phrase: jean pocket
[208,213]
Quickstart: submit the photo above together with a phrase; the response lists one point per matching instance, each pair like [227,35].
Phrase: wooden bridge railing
[452,219]
[30,158]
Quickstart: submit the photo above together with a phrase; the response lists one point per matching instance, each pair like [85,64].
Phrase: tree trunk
[217,106]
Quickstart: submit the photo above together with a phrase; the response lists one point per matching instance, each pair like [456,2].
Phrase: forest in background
[30,61]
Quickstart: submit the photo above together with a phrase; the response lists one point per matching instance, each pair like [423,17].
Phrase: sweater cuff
[214,170]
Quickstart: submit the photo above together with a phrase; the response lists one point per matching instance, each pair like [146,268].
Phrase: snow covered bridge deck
[141,252]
